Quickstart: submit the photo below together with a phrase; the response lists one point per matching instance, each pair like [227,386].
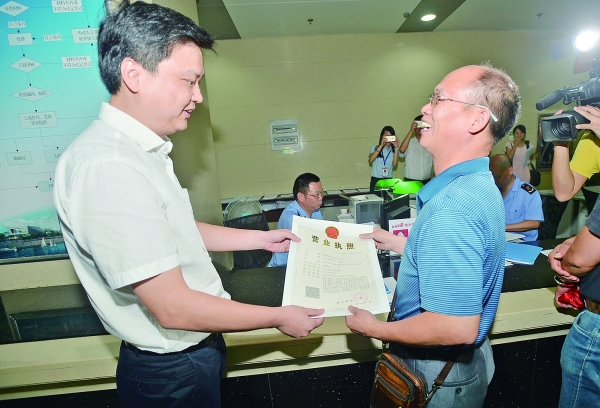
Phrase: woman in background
[384,156]
[517,151]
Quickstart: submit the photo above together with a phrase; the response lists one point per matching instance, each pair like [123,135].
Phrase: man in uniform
[308,199]
[522,202]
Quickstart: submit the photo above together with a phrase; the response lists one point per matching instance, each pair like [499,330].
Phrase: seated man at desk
[308,194]
[522,202]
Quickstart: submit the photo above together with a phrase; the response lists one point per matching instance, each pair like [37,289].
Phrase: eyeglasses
[435,98]
[320,194]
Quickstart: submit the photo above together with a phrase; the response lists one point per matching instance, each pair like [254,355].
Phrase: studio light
[584,41]
[428,17]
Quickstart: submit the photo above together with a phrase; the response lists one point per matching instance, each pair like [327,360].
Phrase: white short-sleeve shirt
[418,162]
[125,218]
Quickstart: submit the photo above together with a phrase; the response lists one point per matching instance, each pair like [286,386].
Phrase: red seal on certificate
[332,232]
[360,297]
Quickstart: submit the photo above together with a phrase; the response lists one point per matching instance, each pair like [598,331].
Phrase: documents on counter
[511,236]
[522,253]
[390,288]
[332,268]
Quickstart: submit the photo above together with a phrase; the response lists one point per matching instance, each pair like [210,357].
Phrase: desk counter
[526,311]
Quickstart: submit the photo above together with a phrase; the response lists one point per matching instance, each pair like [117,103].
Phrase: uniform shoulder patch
[528,187]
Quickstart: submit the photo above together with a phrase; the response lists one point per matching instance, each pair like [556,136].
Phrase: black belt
[592,306]
[208,340]
[427,353]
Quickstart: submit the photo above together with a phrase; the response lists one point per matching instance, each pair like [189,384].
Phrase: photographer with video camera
[576,261]
[577,267]
[568,177]
[563,127]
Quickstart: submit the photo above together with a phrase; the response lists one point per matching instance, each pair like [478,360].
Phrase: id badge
[384,171]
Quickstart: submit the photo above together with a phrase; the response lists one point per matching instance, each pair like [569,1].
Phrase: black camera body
[561,128]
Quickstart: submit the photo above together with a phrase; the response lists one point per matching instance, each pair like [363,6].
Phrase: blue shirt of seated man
[522,202]
[306,204]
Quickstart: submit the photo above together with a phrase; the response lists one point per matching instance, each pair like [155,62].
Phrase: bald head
[500,161]
[502,170]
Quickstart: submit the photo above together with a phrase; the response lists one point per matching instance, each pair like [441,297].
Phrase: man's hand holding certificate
[332,268]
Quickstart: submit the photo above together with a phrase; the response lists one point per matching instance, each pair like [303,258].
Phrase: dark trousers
[183,379]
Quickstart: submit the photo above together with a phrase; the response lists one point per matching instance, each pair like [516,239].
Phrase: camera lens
[561,128]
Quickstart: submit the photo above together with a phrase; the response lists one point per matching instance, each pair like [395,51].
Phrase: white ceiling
[501,15]
[267,18]
[290,17]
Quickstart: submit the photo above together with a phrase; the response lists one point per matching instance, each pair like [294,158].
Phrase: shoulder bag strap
[439,380]
[385,345]
[390,317]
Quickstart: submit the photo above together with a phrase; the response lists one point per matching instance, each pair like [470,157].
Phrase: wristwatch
[561,282]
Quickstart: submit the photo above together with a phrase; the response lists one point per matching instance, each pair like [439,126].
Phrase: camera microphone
[589,90]
[549,100]
[563,127]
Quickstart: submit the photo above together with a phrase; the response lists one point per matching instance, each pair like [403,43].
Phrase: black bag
[535,177]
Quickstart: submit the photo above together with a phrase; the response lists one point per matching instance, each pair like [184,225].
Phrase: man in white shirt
[129,228]
[418,161]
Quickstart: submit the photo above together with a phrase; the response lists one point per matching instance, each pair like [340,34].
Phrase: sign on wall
[49,93]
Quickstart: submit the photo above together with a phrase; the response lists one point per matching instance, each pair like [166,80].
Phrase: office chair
[256,258]
[553,211]
[407,187]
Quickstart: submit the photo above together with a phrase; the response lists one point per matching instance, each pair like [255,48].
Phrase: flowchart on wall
[50,92]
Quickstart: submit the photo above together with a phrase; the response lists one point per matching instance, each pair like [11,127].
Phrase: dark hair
[147,33]
[302,183]
[521,128]
[524,131]
[419,117]
[392,132]
[496,90]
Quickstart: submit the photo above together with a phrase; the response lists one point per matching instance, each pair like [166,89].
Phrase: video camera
[561,128]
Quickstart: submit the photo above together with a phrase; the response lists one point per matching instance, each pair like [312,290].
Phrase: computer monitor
[395,209]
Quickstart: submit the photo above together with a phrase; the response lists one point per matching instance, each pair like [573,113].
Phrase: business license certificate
[332,268]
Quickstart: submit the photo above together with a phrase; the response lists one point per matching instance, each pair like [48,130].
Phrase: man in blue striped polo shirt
[452,266]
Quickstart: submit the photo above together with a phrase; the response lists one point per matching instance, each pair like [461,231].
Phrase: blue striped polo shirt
[453,262]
